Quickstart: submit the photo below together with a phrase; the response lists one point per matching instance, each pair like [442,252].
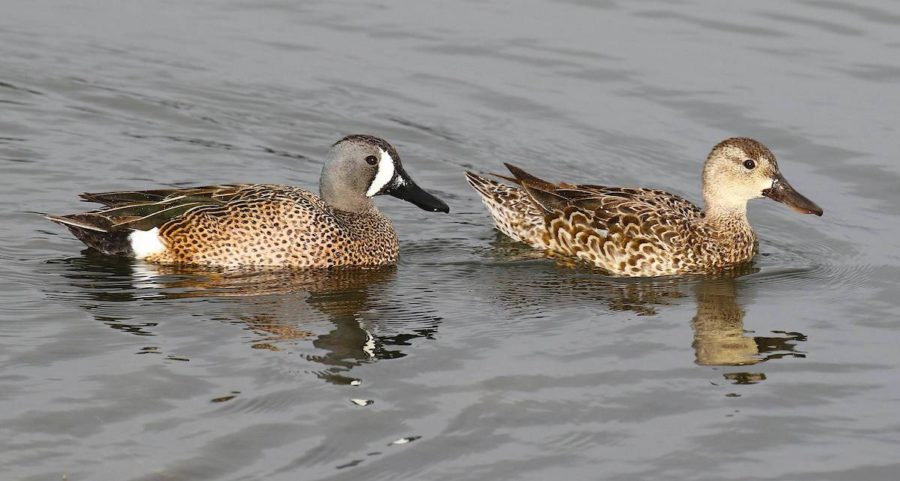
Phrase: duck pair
[623,231]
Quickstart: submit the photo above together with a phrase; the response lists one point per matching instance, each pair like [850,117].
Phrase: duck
[642,232]
[255,225]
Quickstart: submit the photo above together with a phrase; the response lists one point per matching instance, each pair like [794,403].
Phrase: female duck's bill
[782,191]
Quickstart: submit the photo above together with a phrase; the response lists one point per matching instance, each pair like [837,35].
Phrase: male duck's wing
[126,198]
[144,210]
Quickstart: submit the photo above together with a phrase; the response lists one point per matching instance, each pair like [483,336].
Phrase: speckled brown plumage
[628,232]
[636,231]
[258,225]
[263,224]
[277,225]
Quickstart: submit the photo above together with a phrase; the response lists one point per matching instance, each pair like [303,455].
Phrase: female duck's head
[740,169]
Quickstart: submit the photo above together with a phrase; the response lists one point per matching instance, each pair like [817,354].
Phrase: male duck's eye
[371,160]
[749,164]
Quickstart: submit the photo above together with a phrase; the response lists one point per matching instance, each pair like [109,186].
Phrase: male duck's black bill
[782,191]
[414,194]
[404,188]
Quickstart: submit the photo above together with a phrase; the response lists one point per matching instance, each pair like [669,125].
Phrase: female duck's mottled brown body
[262,224]
[644,232]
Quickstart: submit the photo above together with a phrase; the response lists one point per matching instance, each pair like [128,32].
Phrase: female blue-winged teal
[259,224]
[644,232]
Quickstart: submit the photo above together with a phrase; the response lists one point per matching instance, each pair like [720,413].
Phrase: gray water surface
[483,361]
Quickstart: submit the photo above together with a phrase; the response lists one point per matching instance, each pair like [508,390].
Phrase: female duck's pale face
[738,170]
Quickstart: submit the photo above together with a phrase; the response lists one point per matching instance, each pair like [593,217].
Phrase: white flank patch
[384,175]
[146,242]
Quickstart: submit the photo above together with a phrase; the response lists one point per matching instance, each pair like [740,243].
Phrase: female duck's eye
[749,164]
[371,160]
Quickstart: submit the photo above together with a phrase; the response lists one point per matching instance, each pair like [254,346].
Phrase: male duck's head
[740,169]
[359,167]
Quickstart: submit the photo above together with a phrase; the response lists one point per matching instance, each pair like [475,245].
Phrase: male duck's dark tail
[96,232]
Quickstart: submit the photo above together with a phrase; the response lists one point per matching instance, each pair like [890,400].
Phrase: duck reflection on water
[282,306]
[277,304]
[720,337]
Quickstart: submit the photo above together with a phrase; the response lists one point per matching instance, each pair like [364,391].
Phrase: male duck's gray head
[740,169]
[359,167]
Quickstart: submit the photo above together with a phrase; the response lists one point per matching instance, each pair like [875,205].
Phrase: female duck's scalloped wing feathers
[622,230]
[600,198]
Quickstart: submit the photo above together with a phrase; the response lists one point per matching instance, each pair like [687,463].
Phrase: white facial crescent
[384,175]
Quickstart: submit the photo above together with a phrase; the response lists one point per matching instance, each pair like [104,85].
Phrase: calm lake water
[473,359]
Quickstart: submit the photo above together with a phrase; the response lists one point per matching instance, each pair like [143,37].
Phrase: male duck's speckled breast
[278,225]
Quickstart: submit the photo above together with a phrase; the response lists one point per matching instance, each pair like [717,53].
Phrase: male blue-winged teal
[261,224]
[644,232]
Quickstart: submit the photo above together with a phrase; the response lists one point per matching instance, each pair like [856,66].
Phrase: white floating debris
[406,440]
[362,402]
[355,382]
